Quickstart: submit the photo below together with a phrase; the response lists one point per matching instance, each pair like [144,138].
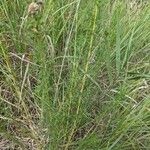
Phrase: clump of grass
[75,75]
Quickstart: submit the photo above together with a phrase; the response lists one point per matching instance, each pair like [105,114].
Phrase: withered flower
[33,8]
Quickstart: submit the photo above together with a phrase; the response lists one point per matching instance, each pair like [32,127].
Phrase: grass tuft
[75,75]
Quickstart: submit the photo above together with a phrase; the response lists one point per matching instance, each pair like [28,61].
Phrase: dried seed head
[33,8]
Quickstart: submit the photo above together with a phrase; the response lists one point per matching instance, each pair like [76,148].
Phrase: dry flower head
[33,8]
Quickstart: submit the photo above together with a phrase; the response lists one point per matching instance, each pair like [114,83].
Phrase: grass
[76,75]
